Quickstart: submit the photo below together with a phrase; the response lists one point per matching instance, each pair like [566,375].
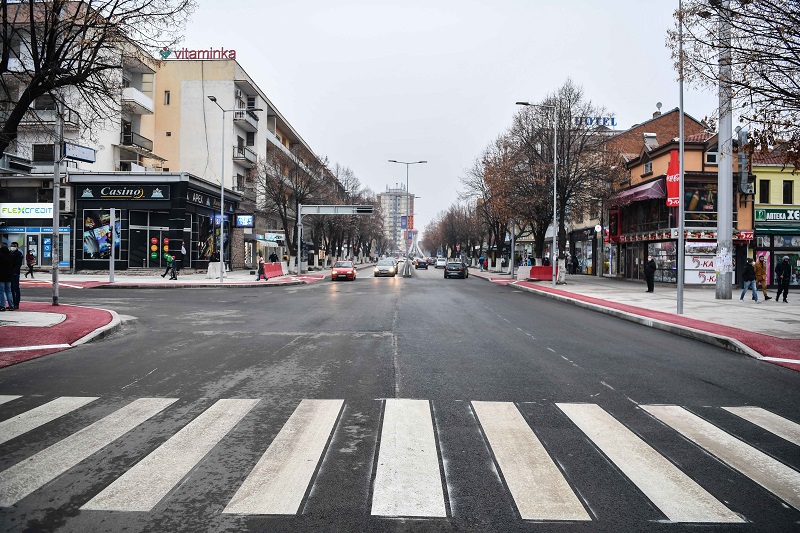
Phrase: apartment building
[396,202]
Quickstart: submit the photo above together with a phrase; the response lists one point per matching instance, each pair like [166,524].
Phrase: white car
[441,262]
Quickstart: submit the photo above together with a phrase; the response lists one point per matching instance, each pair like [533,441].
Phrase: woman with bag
[30,260]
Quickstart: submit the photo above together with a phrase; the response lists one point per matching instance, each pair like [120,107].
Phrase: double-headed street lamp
[555,178]
[407,268]
[222,189]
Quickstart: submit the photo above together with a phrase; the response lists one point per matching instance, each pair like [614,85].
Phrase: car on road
[421,263]
[441,262]
[456,269]
[385,267]
[432,261]
[343,270]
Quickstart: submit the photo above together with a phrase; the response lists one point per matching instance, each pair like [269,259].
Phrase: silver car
[385,267]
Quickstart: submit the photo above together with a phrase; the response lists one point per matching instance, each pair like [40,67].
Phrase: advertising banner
[26,210]
[673,180]
[96,234]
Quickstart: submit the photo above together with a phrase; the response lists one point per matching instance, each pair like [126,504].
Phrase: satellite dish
[658,105]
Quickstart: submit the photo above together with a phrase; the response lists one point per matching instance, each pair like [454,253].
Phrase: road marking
[22,423]
[677,496]
[28,475]
[552,350]
[781,360]
[771,474]
[5,398]
[537,485]
[770,421]
[38,347]
[279,481]
[144,485]
[407,479]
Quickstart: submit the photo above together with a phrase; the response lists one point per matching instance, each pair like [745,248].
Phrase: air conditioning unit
[47,185]
[66,204]
[239,93]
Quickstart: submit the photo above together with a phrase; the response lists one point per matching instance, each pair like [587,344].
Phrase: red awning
[648,191]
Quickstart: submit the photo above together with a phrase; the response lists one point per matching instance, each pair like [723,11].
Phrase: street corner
[39,329]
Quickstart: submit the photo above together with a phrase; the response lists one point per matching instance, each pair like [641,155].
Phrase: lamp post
[555,180]
[222,190]
[406,266]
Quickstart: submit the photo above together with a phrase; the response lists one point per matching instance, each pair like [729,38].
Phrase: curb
[714,339]
[237,285]
[102,331]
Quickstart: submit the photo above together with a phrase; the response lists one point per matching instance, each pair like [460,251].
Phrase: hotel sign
[777,215]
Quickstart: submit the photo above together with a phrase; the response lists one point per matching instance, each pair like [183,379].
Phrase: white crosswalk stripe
[771,474]
[672,491]
[22,423]
[538,488]
[144,485]
[281,478]
[5,398]
[30,474]
[770,421]
[408,481]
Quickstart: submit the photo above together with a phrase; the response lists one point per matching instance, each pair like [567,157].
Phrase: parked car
[441,262]
[456,269]
[421,263]
[343,270]
[385,267]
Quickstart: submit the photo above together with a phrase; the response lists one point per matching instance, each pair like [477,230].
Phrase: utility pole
[725,169]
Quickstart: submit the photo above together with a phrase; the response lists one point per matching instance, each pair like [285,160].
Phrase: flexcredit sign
[22,210]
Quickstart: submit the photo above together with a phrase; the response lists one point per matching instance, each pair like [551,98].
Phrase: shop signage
[244,221]
[777,215]
[186,53]
[674,180]
[26,210]
[207,200]
[124,192]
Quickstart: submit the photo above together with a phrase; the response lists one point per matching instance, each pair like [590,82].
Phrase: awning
[778,229]
[648,191]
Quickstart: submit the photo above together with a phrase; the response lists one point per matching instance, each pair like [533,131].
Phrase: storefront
[777,236]
[582,246]
[155,215]
[30,225]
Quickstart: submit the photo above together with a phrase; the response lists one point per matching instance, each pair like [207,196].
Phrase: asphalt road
[503,375]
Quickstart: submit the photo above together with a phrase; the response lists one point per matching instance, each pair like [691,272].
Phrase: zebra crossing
[409,476]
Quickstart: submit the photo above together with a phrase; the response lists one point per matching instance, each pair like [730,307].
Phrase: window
[787,192]
[648,167]
[44,102]
[251,138]
[43,153]
[251,102]
[763,191]
[711,158]
[166,97]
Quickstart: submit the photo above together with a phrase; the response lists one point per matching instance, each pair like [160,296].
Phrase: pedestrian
[30,259]
[6,266]
[170,265]
[546,261]
[261,265]
[650,273]
[760,267]
[783,272]
[273,257]
[749,280]
[576,266]
[16,270]
[570,269]
[486,263]
[480,261]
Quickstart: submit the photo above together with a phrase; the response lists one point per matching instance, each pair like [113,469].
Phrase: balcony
[134,139]
[47,118]
[244,156]
[136,102]
[245,119]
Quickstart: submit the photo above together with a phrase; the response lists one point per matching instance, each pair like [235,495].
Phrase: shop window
[788,197]
[96,234]
[763,191]
[43,153]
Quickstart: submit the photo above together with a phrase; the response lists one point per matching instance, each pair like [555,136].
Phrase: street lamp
[407,267]
[555,178]
[222,189]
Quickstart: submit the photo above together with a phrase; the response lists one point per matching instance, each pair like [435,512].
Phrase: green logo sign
[761,215]
[165,52]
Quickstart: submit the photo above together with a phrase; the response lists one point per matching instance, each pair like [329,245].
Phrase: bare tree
[765,62]
[52,45]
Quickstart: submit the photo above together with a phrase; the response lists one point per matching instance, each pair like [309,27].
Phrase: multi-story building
[396,202]
[777,213]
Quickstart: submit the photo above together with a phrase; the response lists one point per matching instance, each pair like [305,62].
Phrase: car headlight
[391,271]
[333,272]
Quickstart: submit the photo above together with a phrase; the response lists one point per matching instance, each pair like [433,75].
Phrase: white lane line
[144,485]
[279,481]
[5,398]
[37,347]
[552,350]
[771,474]
[770,421]
[781,360]
[30,474]
[537,485]
[679,497]
[22,423]
[407,479]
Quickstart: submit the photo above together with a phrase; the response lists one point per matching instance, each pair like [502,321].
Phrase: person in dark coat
[749,280]
[16,271]
[783,275]
[6,268]
[650,273]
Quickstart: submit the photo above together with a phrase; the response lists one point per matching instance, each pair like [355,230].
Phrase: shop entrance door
[147,247]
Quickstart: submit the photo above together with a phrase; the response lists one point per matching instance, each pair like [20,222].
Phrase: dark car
[432,261]
[456,269]
[421,263]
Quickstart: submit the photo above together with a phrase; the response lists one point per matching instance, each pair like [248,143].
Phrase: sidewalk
[768,330]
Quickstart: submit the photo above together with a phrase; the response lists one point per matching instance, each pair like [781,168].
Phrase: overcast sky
[364,81]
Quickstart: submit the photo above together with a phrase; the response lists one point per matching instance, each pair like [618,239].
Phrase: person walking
[261,268]
[30,260]
[650,273]
[760,267]
[576,266]
[783,272]
[16,271]
[480,261]
[749,280]
[6,266]
[170,265]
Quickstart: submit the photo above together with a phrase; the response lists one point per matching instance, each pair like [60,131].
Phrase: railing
[248,117]
[243,153]
[137,101]
[134,139]
[48,116]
